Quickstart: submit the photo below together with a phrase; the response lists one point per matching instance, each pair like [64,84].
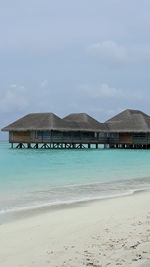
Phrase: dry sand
[114,232]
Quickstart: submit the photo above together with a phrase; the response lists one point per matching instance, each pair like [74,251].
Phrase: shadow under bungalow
[128,129]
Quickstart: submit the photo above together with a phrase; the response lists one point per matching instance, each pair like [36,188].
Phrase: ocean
[33,179]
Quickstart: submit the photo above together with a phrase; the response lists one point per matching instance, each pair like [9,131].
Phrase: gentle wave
[120,181]
[70,202]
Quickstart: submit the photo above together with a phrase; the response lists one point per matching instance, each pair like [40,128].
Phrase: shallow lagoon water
[32,178]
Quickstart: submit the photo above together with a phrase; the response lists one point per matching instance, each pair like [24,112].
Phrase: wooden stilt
[73,146]
[36,146]
[28,145]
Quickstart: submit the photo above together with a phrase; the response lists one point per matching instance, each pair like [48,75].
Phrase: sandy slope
[113,232]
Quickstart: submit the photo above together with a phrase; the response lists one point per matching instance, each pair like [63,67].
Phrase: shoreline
[109,232]
[25,212]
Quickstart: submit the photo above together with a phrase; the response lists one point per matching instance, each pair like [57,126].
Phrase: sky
[68,56]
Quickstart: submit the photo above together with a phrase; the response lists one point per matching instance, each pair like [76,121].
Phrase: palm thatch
[37,121]
[129,121]
[126,121]
[85,122]
[49,121]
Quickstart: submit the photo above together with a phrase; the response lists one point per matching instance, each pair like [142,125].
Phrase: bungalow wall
[141,138]
[20,137]
[52,136]
[134,138]
[78,137]
[125,138]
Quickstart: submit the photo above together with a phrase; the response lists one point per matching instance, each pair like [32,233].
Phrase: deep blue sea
[32,179]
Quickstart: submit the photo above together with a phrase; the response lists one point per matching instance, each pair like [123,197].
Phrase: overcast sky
[67,56]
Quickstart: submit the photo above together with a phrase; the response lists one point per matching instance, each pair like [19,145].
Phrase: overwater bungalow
[128,129]
[50,131]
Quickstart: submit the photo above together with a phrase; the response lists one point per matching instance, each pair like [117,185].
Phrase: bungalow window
[87,134]
[42,134]
[39,134]
[139,135]
[46,134]
[57,134]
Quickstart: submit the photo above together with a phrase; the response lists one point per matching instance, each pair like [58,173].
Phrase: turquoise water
[38,178]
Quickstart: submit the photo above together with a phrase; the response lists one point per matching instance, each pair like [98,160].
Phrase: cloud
[110,52]
[106,91]
[103,91]
[14,98]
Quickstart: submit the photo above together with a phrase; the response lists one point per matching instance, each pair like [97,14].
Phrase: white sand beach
[114,232]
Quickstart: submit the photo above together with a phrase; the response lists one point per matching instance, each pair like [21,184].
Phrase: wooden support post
[96,146]
[89,145]
[28,145]
[12,145]
[73,146]
[36,146]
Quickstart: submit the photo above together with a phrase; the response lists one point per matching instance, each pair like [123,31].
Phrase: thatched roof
[37,121]
[49,121]
[129,121]
[126,121]
[84,121]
